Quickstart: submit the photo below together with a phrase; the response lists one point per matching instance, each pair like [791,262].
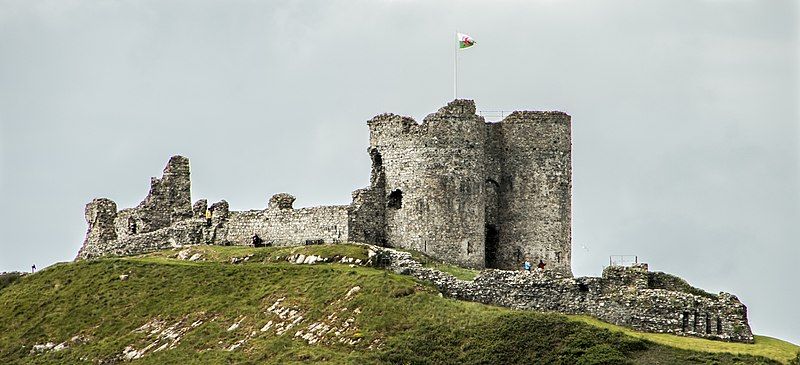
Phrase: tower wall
[533,151]
[434,182]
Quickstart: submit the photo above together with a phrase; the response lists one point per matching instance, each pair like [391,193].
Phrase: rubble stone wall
[367,212]
[169,199]
[621,296]
[286,227]
[101,235]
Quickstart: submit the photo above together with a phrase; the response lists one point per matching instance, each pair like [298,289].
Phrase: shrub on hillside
[8,278]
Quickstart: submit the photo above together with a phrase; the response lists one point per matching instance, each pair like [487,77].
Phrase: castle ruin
[456,188]
[459,189]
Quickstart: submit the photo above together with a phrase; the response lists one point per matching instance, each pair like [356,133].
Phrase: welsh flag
[465,41]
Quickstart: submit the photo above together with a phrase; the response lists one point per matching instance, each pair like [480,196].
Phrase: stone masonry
[628,296]
[473,193]
[456,188]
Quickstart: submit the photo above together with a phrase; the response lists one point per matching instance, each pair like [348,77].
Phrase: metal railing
[494,114]
[623,260]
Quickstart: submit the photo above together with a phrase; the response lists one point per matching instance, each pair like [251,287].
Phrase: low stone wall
[284,227]
[620,297]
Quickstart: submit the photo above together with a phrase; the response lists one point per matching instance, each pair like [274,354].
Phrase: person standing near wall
[208,217]
[257,241]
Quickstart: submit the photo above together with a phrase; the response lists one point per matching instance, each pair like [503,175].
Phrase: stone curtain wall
[621,296]
[286,227]
[437,168]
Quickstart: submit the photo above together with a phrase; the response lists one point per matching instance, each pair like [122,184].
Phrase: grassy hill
[211,304]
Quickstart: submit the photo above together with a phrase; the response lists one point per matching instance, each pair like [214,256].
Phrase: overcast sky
[684,116]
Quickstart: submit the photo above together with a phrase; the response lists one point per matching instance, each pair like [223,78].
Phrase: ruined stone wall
[100,214]
[367,212]
[187,232]
[168,203]
[169,199]
[434,182]
[533,151]
[286,226]
[621,297]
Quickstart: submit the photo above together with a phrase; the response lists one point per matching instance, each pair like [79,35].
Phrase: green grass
[267,254]
[457,271]
[398,320]
[764,346]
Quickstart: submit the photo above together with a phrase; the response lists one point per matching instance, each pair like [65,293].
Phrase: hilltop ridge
[261,305]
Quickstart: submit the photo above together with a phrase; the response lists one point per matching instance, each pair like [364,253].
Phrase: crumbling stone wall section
[167,203]
[199,208]
[367,212]
[169,199]
[618,297]
[101,235]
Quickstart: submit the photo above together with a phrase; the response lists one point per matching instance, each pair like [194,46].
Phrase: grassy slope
[398,320]
[764,346]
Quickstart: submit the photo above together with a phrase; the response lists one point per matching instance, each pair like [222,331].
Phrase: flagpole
[455,70]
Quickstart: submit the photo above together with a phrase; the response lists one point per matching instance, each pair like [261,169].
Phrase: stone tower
[474,193]
[434,175]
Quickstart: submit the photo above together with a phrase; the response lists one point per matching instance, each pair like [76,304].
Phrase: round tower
[434,182]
